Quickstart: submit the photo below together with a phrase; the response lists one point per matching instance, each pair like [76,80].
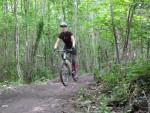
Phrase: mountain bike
[66,66]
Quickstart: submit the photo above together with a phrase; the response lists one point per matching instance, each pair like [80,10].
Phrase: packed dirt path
[51,97]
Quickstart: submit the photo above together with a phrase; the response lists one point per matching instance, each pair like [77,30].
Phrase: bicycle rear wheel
[64,74]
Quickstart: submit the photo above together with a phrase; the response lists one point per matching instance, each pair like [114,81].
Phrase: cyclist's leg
[74,62]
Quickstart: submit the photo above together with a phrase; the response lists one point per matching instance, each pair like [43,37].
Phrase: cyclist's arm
[73,41]
[57,43]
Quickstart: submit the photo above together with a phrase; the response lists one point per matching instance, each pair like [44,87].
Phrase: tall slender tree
[16,37]
[114,32]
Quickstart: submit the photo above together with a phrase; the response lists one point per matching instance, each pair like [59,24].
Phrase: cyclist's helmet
[63,24]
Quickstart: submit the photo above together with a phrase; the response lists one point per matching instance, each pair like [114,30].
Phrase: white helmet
[63,24]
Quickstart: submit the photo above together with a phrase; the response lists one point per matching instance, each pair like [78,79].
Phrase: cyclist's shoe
[74,76]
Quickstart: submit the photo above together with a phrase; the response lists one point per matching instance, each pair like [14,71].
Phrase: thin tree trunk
[114,32]
[142,51]
[16,36]
[35,9]
[148,48]
[75,17]
[28,67]
[5,32]
[129,22]
[5,43]
[26,34]
[63,11]
[39,33]
[5,6]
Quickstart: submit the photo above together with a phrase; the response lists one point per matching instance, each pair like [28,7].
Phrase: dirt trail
[52,97]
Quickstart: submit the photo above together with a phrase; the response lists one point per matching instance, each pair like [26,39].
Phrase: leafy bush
[138,70]
[125,80]
[8,72]
[110,80]
[42,74]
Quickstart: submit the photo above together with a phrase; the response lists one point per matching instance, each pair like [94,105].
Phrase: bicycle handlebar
[64,50]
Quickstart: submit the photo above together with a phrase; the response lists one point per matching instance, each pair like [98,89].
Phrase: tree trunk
[16,36]
[63,11]
[75,17]
[142,50]
[5,33]
[129,22]
[28,67]
[114,32]
[35,46]
[5,46]
[148,48]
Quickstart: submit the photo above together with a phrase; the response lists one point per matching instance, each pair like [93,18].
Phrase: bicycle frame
[64,54]
[65,64]
[65,59]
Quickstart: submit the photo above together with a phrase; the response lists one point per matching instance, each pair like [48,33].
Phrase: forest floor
[51,97]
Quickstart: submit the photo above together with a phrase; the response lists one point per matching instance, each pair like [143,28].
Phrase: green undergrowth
[122,86]
[92,101]
[41,75]
[122,78]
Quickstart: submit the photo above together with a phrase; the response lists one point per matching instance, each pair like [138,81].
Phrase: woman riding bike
[69,41]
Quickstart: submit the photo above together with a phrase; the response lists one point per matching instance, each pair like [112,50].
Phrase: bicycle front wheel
[64,74]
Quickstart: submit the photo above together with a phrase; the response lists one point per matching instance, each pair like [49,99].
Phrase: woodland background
[108,33]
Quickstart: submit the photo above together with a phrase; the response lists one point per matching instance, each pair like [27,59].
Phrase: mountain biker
[70,43]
